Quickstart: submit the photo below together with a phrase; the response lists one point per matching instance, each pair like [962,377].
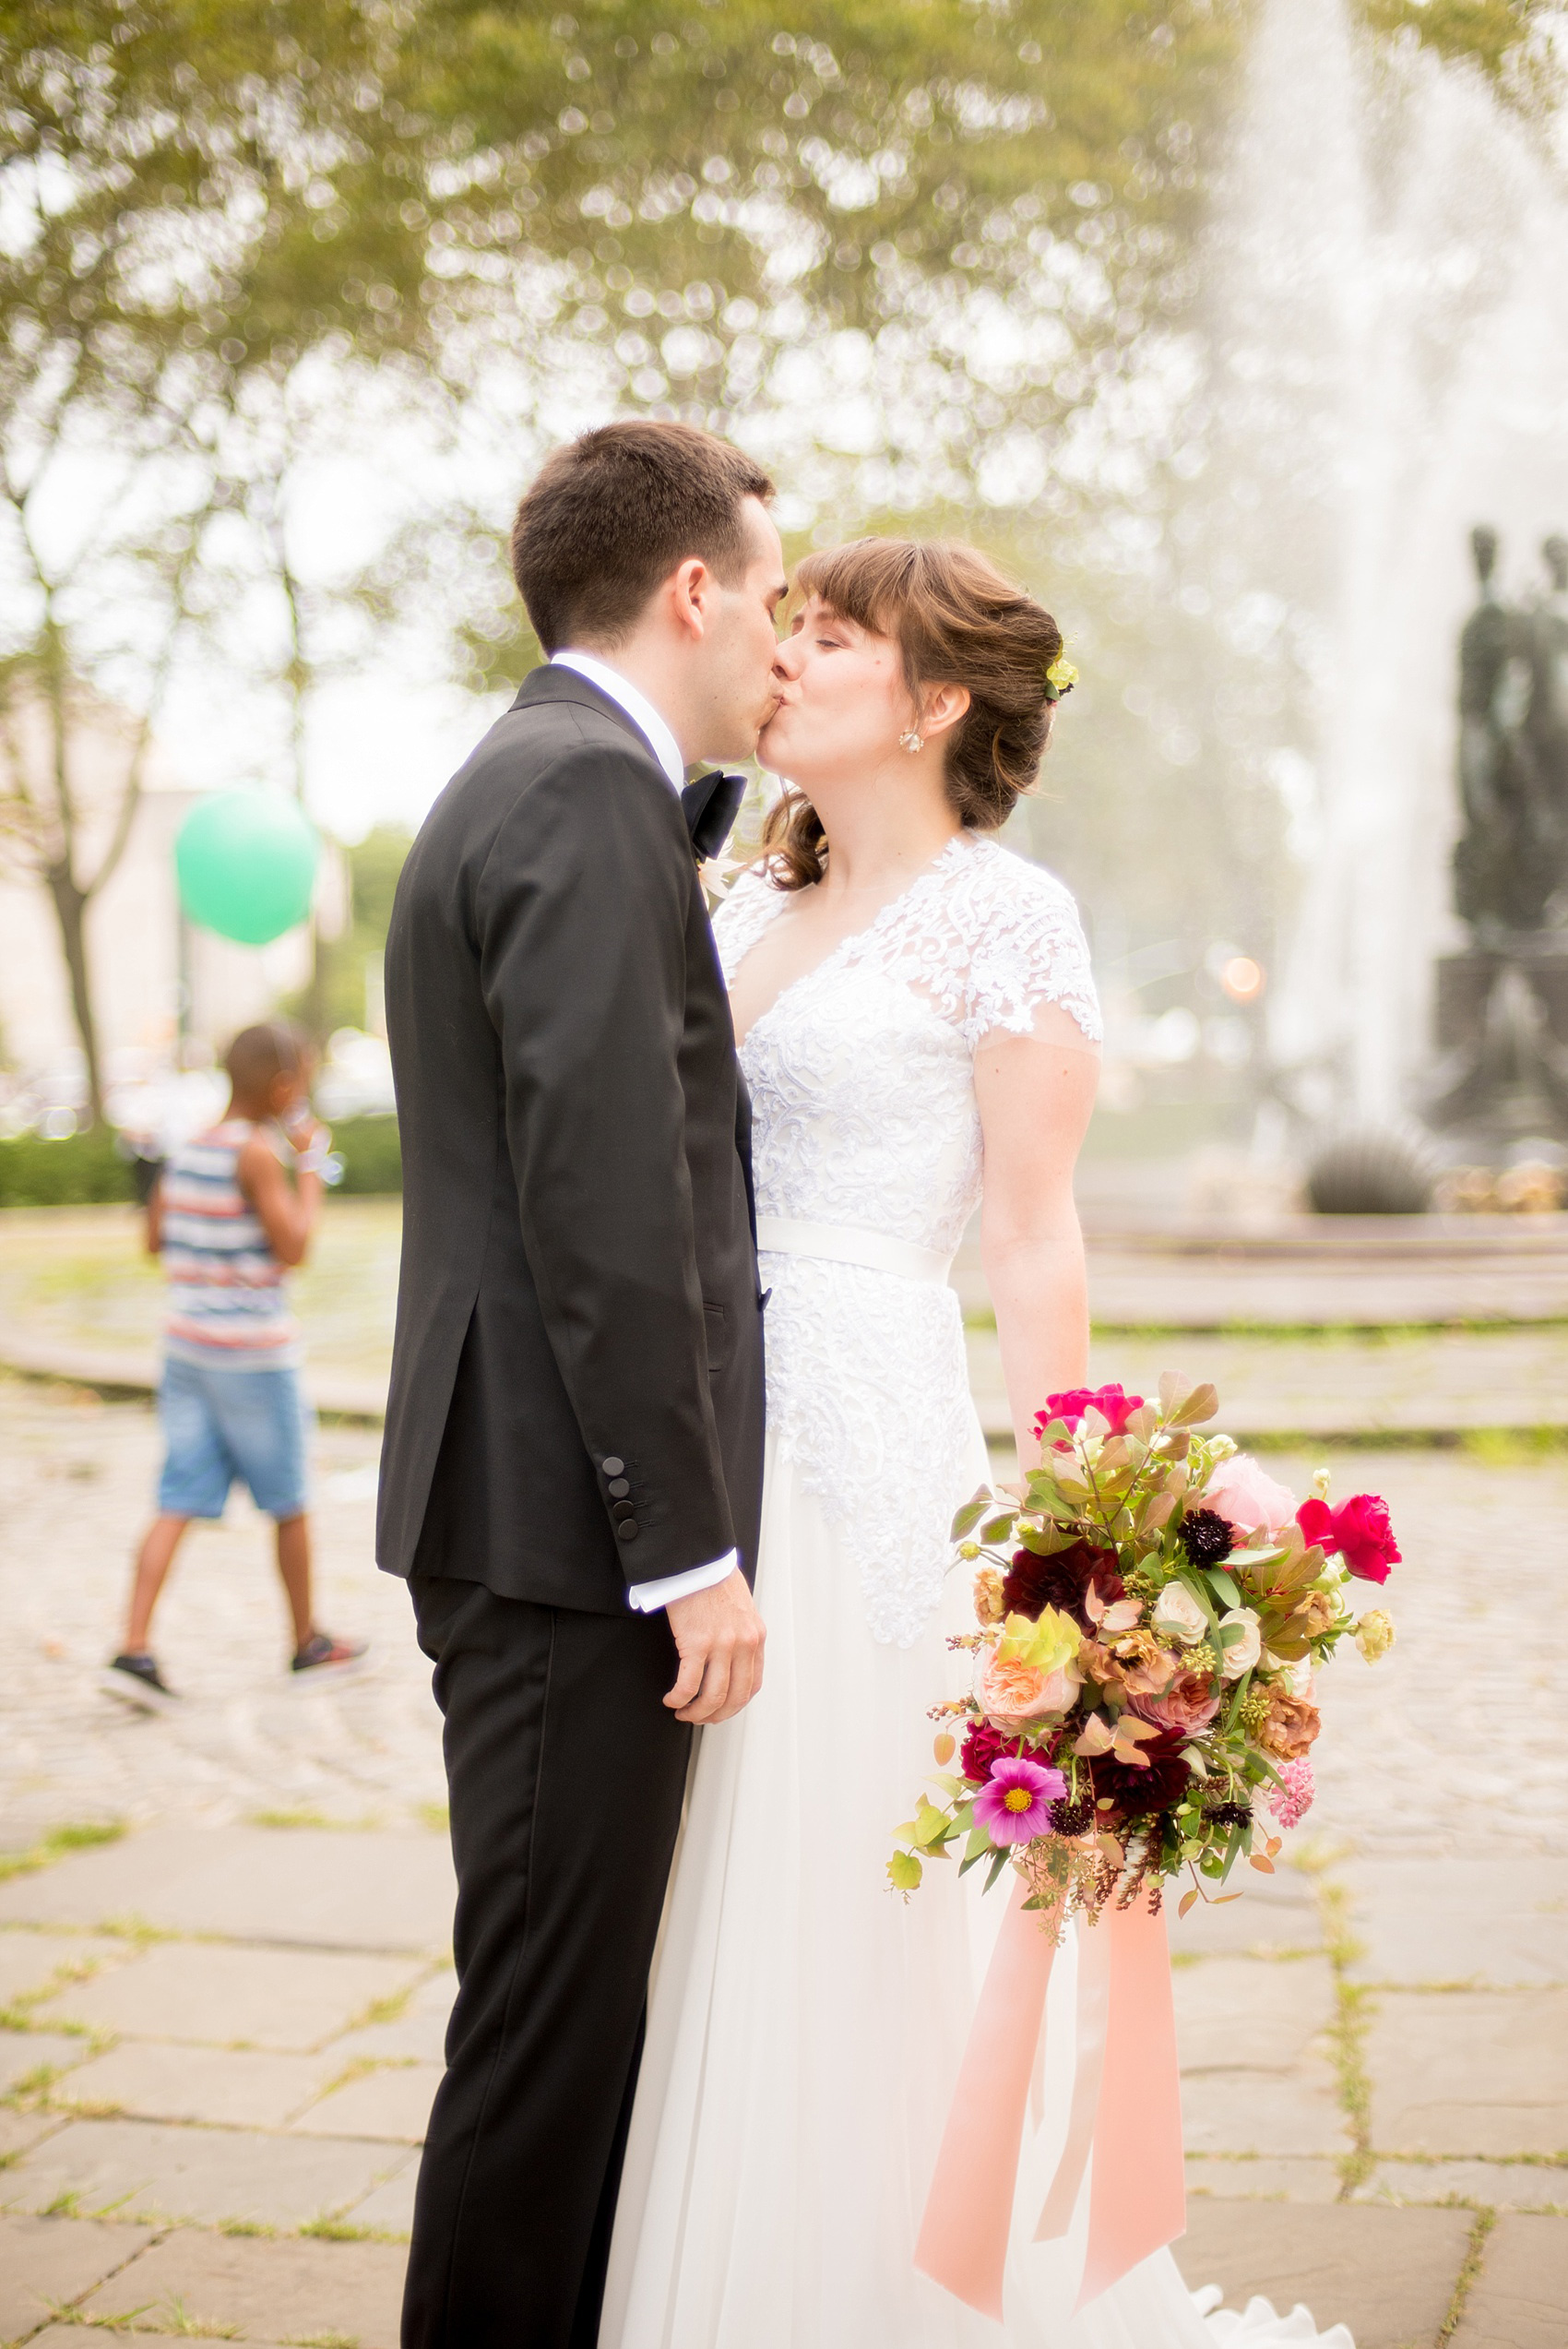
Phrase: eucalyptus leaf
[1156,1512]
[1201,1404]
[1226,1587]
[969,1516]
[1044,1539]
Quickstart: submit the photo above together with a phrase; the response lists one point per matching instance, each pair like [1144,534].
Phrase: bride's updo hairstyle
[956,621]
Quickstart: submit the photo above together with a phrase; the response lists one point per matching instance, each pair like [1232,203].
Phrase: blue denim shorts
[225,1425]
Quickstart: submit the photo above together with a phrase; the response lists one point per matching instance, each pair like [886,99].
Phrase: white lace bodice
[863,1108]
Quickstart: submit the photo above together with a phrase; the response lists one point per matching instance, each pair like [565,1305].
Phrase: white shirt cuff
[648,1597]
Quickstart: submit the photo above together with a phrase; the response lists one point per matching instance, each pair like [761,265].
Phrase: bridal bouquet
[1151,1616]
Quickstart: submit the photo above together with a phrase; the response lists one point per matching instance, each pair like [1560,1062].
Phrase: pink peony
[1013,1806]
[1251,1504]
[1112,1403]
[1358,1530]
[1188,1705]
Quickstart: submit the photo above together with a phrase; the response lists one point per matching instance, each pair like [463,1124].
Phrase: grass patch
[387,2010]
[1475,2257]
[247,2227]
[302,1815]
[1513,1447]
[81,1835]
[63,2315]
[180,2320]
[137,1929]
[324,2340]
[1354,2006]
[361,2068]
[31,2087]
[344,2231]
[435,1816]
[1305,1333]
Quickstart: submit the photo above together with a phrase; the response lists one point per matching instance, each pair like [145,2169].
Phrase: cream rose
[1242,1653]
[1178,1616]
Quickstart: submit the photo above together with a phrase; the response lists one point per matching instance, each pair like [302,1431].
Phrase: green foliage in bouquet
[1151,1609]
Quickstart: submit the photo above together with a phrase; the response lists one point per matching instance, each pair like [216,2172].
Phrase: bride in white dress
[919,1032]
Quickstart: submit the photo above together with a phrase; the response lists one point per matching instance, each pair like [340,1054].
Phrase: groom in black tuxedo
[572,1474]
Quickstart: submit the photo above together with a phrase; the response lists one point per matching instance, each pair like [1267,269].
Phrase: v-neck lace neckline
[960,842]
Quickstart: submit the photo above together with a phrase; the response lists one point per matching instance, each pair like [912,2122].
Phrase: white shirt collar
[637,707]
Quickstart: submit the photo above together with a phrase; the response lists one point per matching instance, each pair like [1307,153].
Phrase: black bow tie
[712,804]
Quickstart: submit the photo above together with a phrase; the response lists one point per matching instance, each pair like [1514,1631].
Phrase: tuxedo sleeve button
[614,1467]
[627,1530]
[619,1488]
[622,1511]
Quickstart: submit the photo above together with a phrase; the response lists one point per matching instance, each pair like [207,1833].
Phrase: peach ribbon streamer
[1126,2108]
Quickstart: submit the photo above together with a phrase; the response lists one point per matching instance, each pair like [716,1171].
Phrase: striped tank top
[227,1303]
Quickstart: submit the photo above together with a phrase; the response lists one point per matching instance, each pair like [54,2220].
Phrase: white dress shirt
[648,1596]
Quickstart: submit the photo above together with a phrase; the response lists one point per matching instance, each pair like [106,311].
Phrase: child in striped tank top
[229,1223]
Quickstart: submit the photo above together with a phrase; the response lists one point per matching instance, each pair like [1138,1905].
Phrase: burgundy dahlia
[982,1746]
[1062,1581]
[1135,1791]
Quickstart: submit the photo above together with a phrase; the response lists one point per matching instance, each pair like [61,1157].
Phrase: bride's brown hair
[956,621]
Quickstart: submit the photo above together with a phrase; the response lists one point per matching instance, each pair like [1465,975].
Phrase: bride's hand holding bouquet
[1152,1609]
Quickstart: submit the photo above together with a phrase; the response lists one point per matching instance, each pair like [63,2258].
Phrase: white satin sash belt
[847,1243]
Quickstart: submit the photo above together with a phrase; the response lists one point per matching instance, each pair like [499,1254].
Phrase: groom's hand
[719,1637]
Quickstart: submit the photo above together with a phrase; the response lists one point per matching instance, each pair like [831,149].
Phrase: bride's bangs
[869,580]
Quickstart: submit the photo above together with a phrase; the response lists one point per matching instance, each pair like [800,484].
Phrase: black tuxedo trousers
[575,1408]
[568,1775]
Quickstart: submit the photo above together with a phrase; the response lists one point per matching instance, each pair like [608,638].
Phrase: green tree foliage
[1506,37]
[690,165]
[344,963]
[196,195]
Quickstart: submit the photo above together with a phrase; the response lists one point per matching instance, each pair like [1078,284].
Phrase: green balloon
[246,862]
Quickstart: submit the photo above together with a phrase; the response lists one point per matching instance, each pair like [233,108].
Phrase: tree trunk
[70,909]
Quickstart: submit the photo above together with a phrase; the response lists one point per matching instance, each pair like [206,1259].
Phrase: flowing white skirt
[806,2026]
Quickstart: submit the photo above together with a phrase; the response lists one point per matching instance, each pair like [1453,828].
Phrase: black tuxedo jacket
[577,1400]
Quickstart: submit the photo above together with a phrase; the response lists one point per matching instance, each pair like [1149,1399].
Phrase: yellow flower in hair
[1061,677]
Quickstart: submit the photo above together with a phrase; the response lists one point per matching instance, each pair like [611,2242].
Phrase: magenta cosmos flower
[1013,1806]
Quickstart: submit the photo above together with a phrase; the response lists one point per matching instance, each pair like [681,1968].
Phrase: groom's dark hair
[611,514]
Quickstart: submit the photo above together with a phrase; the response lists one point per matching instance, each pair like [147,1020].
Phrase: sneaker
[327,1657]
[137,1681]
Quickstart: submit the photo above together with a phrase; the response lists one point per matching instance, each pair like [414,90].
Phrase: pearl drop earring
[913,741]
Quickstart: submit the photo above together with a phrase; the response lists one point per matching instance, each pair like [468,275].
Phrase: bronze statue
[1508,862]
[1502,1007]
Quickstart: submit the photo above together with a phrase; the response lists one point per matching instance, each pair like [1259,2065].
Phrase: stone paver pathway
[221,2033]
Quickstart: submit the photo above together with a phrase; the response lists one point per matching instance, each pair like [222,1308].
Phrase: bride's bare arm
[1035,1095]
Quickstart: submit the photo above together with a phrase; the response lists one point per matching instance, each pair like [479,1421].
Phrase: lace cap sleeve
[1026,946]
[745,913]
